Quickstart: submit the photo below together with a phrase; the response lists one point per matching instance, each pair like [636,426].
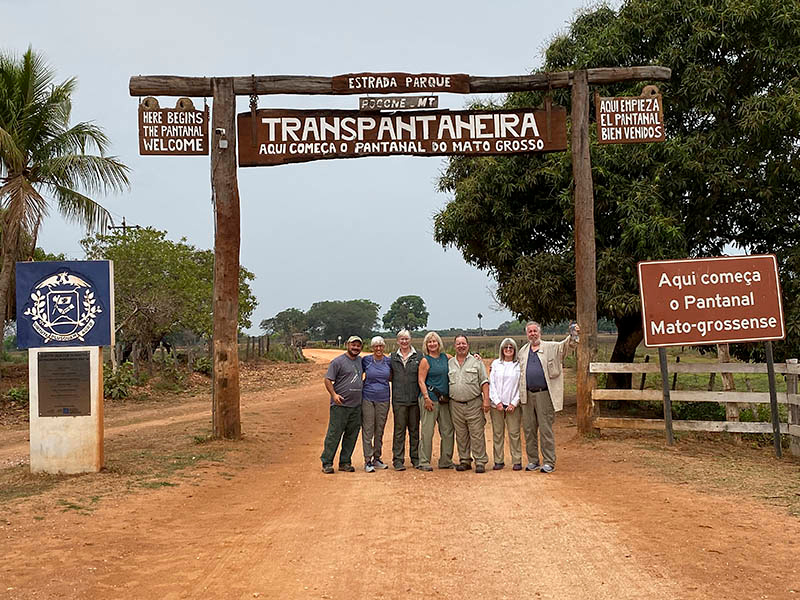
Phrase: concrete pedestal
[69,443]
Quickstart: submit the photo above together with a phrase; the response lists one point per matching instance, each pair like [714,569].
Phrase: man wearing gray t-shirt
[343,381]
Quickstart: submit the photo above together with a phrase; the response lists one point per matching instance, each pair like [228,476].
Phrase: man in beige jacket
[541,393]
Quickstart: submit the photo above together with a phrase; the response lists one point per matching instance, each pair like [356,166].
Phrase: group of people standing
[522,393]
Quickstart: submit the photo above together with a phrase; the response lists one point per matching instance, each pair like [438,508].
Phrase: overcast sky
[327,230]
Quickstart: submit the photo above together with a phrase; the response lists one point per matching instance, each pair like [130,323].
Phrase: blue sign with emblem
[65,303]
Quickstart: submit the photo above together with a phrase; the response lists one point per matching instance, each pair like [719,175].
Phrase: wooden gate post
[225,193]
[794,409]
[585,268]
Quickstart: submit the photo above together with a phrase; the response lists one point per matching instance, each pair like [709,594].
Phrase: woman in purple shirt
[375,403]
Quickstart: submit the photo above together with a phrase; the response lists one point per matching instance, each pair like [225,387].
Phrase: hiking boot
[327,469]
[347,468]
[379,465]
[517,467]
[463,467]
[426,468]
[399,467]
[498,466]
[480,469]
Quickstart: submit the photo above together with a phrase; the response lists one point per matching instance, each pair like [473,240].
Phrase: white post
[71,442]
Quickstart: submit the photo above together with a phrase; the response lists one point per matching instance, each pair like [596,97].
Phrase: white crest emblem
[64,308]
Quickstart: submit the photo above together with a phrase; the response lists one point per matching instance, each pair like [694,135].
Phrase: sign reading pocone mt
[287,136]
[711,300]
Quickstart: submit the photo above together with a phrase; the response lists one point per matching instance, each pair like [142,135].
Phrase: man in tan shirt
[469,403]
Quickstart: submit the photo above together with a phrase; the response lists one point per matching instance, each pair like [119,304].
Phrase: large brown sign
[711,300]
[173,131]
[399,83]
[287,136]
[630,120]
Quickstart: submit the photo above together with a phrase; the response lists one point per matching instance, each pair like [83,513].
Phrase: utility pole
[124,227]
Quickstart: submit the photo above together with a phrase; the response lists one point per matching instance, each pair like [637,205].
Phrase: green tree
[161,286]
[727,174]
[407,312]
[43,158]
[286,323]
[332,318]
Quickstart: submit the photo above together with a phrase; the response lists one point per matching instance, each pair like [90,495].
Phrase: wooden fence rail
[790,397]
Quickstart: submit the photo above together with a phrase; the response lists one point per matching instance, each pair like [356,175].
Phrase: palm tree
[43,159]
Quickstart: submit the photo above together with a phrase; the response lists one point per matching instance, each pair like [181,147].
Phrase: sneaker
[399,467]
[327,469]
[379,465]
[498,466]
[547,468]
[463,467]
[347,468]
[369,468]
[425,468]
[517,467]
[480,469]
[532,467]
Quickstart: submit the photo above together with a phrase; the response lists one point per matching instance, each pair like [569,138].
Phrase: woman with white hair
[434,386]
[375,403]
[504,396]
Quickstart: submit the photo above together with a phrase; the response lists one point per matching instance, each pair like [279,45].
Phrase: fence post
[644,375]
[794,409]
[729,385]
[675,375]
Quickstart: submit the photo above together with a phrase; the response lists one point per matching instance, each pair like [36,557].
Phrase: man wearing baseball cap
[343,382]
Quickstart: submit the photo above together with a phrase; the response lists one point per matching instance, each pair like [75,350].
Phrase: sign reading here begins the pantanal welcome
[287,136]
[173,131]
[711,300]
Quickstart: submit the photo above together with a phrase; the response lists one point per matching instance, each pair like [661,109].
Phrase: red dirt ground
[264,522]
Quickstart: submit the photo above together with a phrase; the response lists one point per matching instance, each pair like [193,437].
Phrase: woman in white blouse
[504,395]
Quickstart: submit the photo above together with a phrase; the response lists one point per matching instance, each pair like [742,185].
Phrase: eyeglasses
[508,347]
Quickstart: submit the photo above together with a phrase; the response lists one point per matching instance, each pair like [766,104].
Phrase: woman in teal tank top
[433,406]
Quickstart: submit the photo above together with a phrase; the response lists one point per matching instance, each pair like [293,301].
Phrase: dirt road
[266,523]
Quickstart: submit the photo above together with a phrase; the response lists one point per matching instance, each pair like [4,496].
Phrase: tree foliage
[332,318]
[161,286]
[43,158]
[728,174]
[286,323]
[407,312]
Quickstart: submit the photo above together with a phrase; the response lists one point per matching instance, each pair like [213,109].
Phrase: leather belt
[544,389]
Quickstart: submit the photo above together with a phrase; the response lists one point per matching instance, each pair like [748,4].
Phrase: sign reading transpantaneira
[175,131]
[711,300]
[287,136]
[630,119]
[399,83]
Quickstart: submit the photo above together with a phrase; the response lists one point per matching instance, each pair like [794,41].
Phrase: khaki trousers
[440,414]
[373,422]
[502,420]
[537,417]
[469,422]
